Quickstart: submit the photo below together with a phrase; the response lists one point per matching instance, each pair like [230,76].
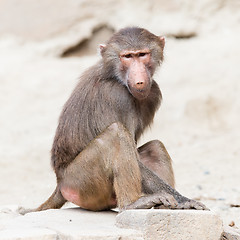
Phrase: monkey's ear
[102,48]
[162,41]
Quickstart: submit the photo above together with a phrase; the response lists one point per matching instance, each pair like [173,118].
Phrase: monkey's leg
[155,156]
[103,175]
[158,180]
[106,173]
[158,194]
[108,170]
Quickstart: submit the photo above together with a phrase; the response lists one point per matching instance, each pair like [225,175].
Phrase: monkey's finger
[158,200]
[173,202]
[191,204]
[198,205]
[169,201]
[184,205]
[142,203]
[166,200]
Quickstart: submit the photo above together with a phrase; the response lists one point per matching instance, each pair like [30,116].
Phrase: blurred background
[46,45]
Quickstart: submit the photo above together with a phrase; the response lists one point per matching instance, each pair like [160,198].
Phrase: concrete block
[7,213]
[172,224]
[71,224]
[28,234]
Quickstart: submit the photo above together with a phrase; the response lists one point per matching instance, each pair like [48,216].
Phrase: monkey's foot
[163,200]
[191,204]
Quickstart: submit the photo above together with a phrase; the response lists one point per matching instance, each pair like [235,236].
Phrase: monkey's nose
[140,85]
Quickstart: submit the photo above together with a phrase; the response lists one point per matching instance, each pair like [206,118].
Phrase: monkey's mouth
[140,94]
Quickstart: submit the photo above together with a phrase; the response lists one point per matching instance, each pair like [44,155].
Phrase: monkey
[95,157]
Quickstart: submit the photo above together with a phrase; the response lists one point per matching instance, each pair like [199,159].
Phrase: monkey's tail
[55,201]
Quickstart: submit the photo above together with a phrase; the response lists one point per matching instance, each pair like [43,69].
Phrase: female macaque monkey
[97,163]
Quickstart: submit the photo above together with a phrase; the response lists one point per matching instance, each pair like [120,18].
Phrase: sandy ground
[198,120]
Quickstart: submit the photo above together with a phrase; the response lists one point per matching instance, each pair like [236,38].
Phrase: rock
[28,234]
[36,21]
[7,213]
[174,225]
[66,25]
[230,234]
[71,223]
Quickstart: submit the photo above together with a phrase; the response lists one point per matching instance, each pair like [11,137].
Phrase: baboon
[94,154]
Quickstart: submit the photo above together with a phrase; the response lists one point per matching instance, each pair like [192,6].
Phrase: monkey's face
[136,71]
[131,56]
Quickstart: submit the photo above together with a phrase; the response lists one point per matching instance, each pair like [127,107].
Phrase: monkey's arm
[161,195]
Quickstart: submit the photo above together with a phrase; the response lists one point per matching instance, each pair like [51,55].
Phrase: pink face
[136,65]
[134,68]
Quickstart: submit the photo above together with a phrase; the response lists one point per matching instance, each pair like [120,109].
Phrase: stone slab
[173,224]
[79,224]
[28,234]
[69,223]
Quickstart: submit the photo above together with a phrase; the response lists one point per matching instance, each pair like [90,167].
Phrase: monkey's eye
[142,54]
[128,56]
